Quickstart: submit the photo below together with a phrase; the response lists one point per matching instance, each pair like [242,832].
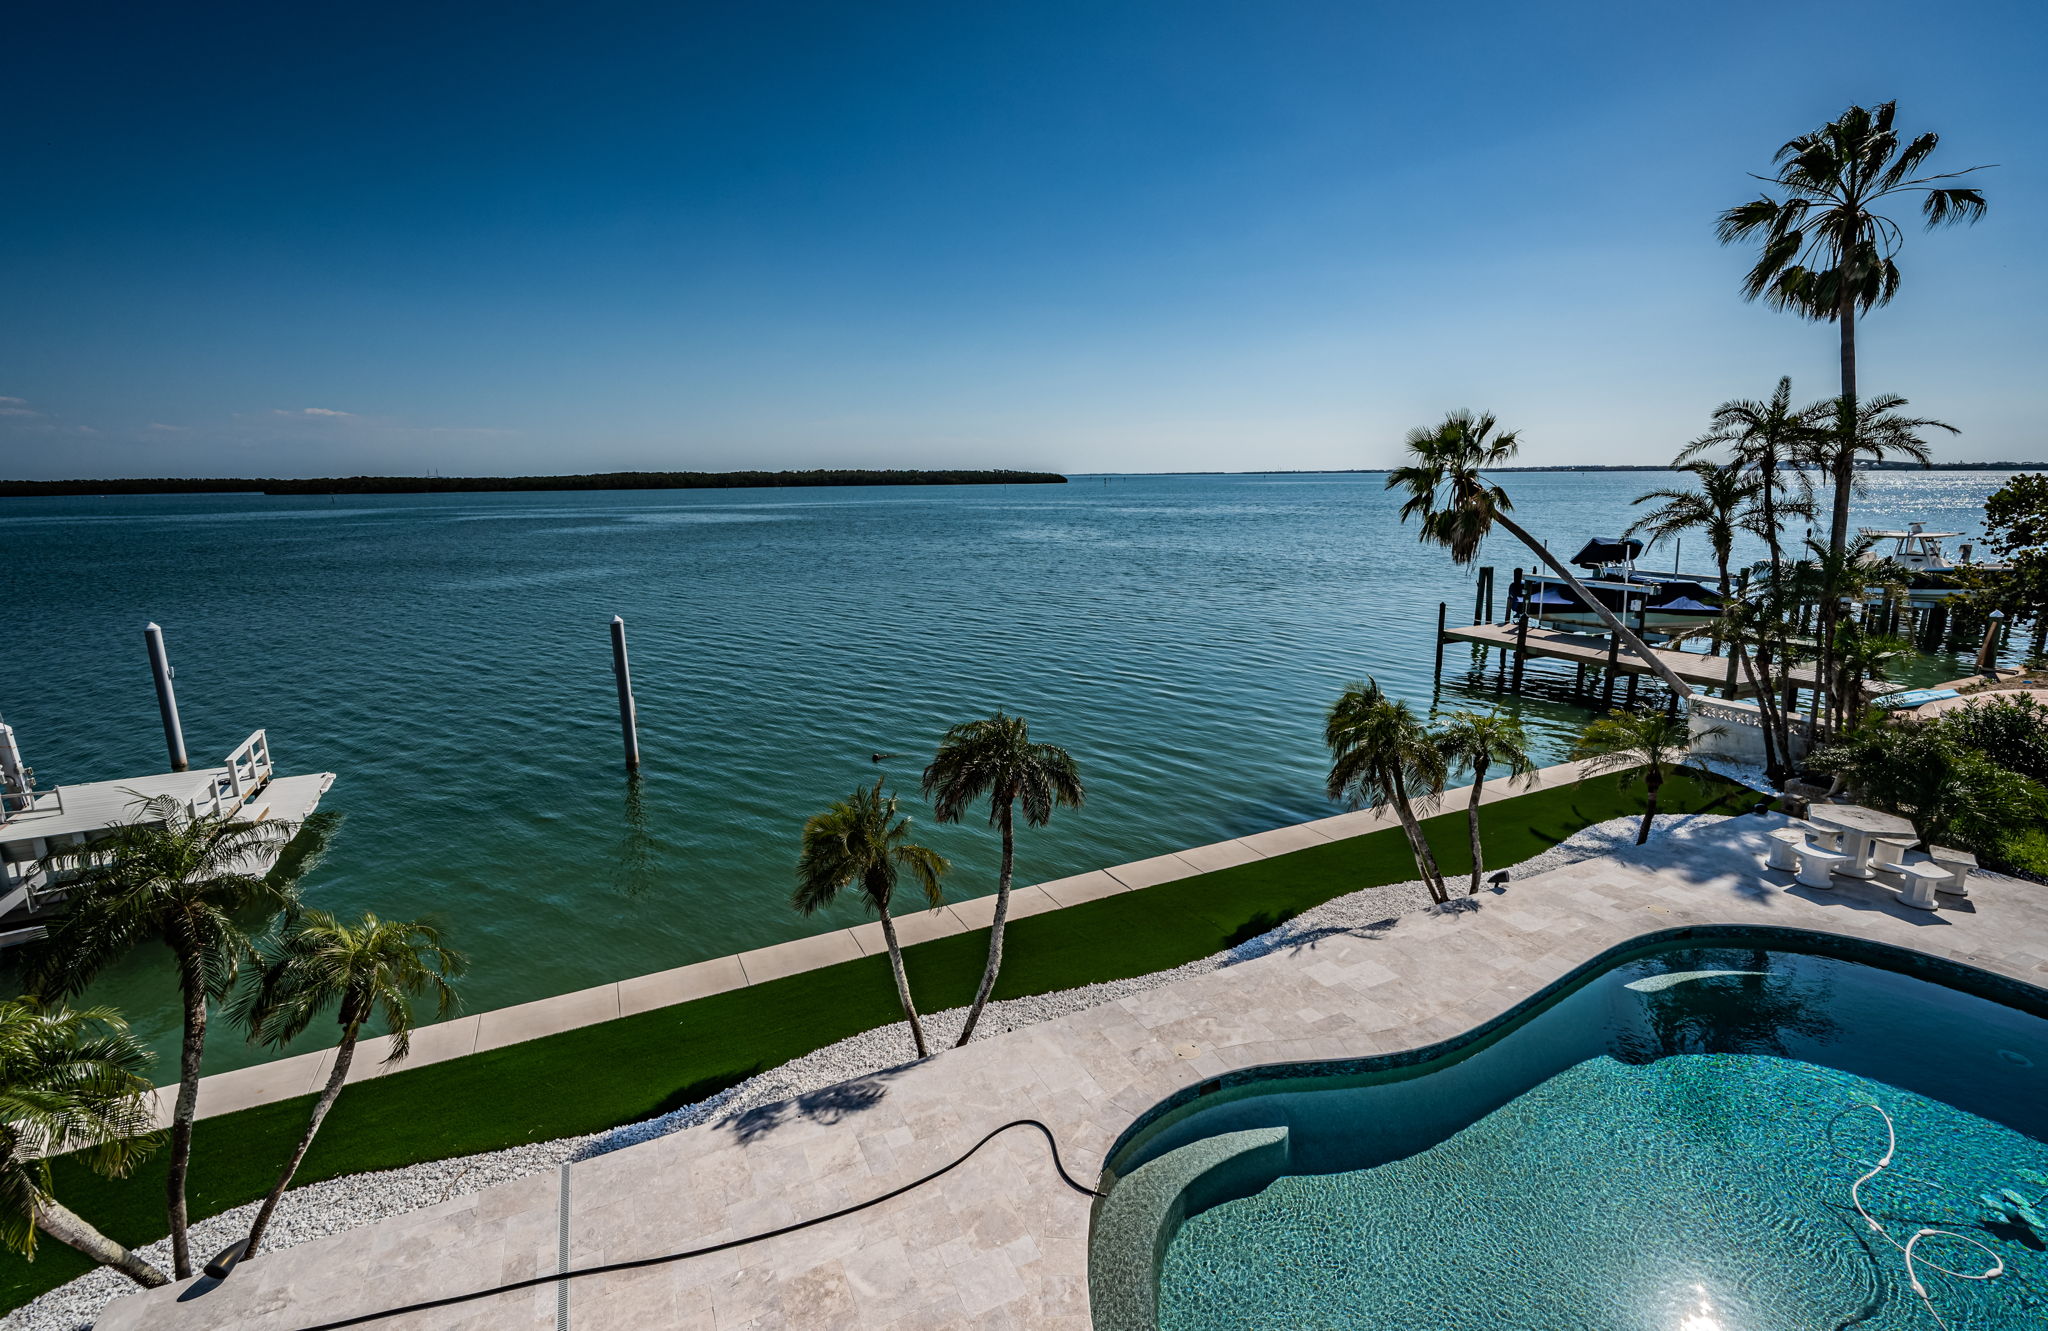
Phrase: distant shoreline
[1584,466]
[612,480]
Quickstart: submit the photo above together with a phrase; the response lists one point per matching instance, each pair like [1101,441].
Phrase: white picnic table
[1859,827]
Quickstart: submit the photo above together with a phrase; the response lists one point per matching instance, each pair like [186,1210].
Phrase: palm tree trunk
[1770,497]
[1764,725]
[1653,780]
[902,982]
[1472,825]
[1418,844]
[1607,617]
[72,1230]
[1845,458]
[186,1110]
[1005,820]
[344,1054]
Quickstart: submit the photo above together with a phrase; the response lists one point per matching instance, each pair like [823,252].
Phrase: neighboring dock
[1717,673]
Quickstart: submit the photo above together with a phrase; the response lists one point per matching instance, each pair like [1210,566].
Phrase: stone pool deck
[1000,1242]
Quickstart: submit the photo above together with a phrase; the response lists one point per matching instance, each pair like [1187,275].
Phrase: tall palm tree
[1381,757]
[189,882]
[372,969]
[69,1081]
[1721,507]
[1775,442]
[999,759]
[1826,252]
[1639,743]
[1482,741]
[1458,508]
[859,842]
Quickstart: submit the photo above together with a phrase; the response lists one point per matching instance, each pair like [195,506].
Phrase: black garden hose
[1051,1143]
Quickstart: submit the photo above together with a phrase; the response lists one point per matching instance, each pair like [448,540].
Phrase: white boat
[34,823]
[1921,553]
[1643,600]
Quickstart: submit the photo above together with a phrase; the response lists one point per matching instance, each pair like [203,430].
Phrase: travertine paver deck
[998,1242]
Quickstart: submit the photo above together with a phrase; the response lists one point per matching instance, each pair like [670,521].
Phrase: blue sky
[295,240]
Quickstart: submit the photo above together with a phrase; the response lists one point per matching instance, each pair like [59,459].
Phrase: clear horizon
[1138,239]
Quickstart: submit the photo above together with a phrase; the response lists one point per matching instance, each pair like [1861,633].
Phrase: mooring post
[1518,591]
[1489,593]
[166,696]
[629,723]
[1443,611]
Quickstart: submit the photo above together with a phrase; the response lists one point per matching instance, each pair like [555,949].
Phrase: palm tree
[371,969]
[997,758]
[1458,508]
[1481,741]
[1883,433]
[188,881]
[860,842]
[1645,742]
[69,1081]
[1719,508]
[1381,757]
[1774,441]
[1826,252]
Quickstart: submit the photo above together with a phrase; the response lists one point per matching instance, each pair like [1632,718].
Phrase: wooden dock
[1584,649]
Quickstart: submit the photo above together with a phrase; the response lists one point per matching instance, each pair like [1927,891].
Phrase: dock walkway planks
[1709,672]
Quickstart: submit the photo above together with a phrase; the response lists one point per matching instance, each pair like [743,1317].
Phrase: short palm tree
[1722,506]
[372,969]
[1381,758]
[1458,508]
[1827,253]
[1639,743]
[1884,433]
[861,843]
[69,1081]
[189,882]
[1774,441]
[997,758]
[1480,742]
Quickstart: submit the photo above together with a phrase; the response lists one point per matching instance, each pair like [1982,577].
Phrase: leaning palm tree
[997,758]
[70,1081]
[1380,758]
[1775,442]
[188,881]
[1458,508]
[1721,507]
[372,969]
[1827,253]
[861,843]
[1481,741]
[1639,743]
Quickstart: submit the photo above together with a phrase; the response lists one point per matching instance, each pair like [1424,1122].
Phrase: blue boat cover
[1912,698]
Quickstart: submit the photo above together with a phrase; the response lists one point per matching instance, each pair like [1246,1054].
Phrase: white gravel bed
[321,1209]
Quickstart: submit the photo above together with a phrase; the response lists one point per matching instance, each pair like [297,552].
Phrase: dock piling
[1518,592]
[166,695]
[1443,609]
[629,721]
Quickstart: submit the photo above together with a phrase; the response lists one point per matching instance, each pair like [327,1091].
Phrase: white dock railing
[248,771]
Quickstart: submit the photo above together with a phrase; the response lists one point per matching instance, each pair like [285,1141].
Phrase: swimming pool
[1667,1141]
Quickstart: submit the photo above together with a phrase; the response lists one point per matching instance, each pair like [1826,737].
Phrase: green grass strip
[621,1071]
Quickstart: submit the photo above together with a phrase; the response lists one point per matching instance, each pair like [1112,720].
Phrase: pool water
[1677,1156]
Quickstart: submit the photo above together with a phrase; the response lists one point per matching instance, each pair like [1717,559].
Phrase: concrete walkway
[999,1243]
[302,1074]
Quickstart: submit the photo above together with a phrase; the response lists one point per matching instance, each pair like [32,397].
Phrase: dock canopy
[1608,550]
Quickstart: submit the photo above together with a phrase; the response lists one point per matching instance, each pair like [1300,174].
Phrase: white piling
[629,722]
[166,696]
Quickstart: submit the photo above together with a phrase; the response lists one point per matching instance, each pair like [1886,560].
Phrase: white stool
[1827,838]
[1817,866]
[1920,882]
[1956,866]
[1785,843]
[1886,851]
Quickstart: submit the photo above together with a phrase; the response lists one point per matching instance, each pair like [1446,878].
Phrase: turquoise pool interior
[1667,1144]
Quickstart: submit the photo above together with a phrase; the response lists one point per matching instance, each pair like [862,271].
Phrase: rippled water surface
[447,657]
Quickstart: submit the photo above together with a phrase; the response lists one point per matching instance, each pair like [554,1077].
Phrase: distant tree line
[610,480]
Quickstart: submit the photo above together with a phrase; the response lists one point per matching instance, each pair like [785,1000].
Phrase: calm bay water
[447,657]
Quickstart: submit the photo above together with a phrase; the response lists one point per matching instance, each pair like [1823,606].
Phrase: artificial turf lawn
[621,1071]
